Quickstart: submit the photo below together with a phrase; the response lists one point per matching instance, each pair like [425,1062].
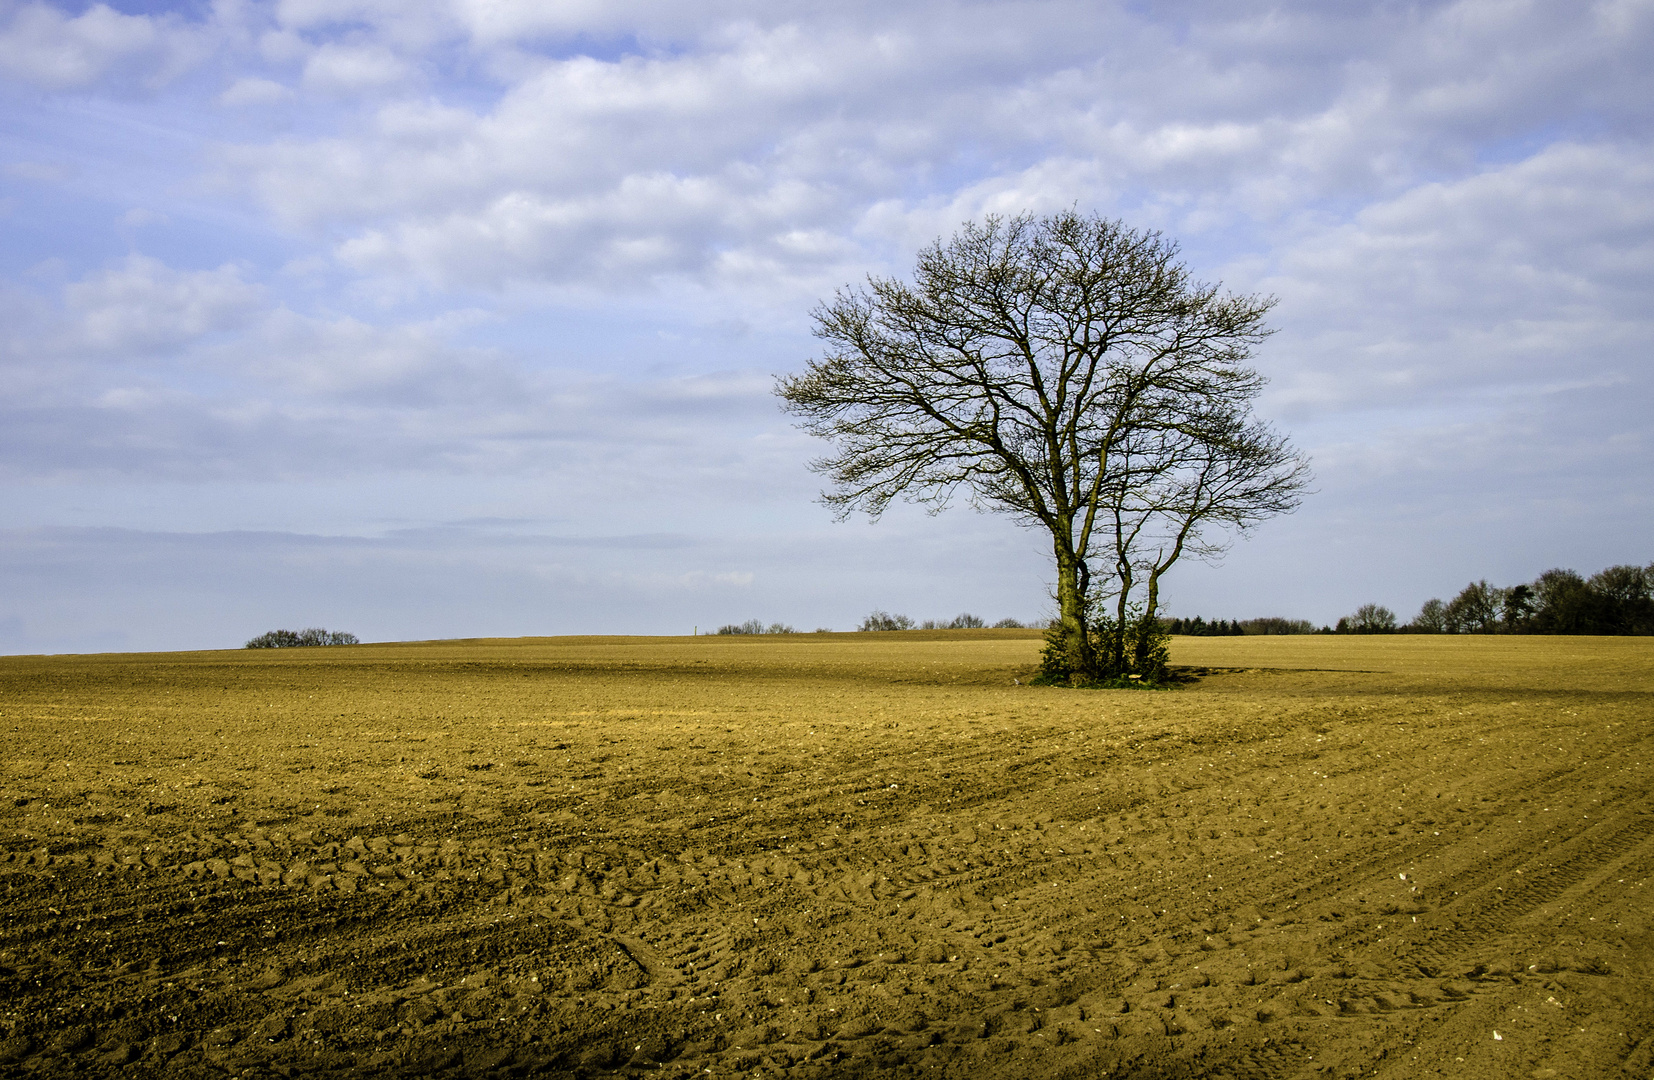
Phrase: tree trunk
[1113,660]
[1151,609]
[1071,611]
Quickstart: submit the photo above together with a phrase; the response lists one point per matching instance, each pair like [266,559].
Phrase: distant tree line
[1199,627]
[883,620]
[1619,600]
[879,620]
[1275,624]
[754,626]
[290,639]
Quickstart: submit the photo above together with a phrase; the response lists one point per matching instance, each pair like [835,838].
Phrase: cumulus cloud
[162,372]
[42,45]
[761,144]
[142,304]
[253,91]
[1533,274]
[341,69]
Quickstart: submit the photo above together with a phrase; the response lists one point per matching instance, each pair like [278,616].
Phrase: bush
[1010,624]
[754,626]
[1133,654]
[883,620]
[289,639]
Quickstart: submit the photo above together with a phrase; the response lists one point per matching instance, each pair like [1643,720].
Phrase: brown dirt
[846,855]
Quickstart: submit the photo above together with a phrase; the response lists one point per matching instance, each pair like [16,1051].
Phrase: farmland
[830,855]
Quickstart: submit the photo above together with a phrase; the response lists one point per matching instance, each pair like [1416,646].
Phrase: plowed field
[830,855]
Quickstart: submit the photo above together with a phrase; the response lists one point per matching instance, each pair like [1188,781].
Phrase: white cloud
[43,46]
[1524,275]
[142,304]
[346,69]
[283,46]
[346,358]
[252,91]
[757,145]
[214,379]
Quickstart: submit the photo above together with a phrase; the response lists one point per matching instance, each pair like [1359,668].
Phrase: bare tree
[1199,463]
[1372,619]
[1432,617]
[1065,370]
[1626,599]
[1475,610]
[880,619]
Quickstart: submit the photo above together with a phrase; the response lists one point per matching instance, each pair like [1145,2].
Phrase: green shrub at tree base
[1130,655]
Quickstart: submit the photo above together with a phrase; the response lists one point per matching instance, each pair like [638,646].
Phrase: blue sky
[460,318]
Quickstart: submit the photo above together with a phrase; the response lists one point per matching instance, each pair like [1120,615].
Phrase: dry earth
[848,855]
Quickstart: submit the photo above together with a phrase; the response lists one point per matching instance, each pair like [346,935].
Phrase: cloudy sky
[441,318]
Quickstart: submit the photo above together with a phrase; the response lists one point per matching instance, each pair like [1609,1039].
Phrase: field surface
[868,855]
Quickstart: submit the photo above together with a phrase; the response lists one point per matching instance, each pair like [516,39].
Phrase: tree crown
[1063,369]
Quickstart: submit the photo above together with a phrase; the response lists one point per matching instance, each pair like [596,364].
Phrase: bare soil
[869,855]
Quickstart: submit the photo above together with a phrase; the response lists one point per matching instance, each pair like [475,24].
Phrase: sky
[452,318]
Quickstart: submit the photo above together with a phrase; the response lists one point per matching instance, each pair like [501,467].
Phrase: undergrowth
[1126,654]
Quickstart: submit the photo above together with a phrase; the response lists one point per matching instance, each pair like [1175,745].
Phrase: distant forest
[1619,600]
[1199,627]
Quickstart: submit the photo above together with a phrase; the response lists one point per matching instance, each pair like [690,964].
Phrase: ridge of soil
[830,855]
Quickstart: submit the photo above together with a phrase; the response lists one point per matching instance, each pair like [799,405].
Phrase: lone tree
[1065,370]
